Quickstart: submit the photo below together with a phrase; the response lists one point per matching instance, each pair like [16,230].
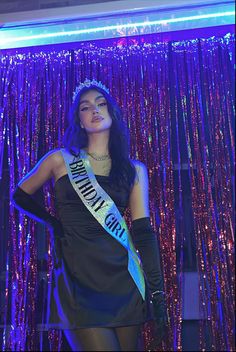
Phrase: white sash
[103,208]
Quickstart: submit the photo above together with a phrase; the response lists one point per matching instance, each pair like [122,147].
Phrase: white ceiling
[9,6]
[15,11]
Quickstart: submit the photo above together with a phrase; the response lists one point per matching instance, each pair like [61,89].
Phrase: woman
[101,290]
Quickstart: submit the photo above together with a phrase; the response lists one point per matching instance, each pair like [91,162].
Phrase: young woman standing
[103,289]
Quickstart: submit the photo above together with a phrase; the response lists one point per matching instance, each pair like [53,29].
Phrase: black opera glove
[145,241]
[160,314]
[26,202]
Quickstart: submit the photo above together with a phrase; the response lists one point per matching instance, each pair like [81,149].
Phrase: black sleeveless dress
[91,285]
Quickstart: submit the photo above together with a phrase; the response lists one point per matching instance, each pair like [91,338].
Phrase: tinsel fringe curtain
[178,102]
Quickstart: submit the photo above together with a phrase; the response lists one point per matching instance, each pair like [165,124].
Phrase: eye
[102,104]
[85,108]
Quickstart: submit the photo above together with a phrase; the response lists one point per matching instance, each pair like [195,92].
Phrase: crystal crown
[87,83]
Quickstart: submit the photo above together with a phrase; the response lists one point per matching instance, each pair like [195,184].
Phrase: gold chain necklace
[99,158]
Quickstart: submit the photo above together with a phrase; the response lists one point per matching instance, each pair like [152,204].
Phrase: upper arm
[139,196]
[40,174]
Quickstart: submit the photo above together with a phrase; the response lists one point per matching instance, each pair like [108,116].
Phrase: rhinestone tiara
[87,83]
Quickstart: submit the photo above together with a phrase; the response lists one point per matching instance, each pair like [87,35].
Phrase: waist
[71,212]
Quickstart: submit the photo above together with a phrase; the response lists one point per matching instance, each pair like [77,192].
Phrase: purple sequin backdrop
[178,101]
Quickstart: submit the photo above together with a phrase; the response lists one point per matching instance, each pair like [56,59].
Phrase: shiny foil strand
[180,217]
[187,125]
[199,205]
[4,82]
[174,113]
[210,242]
[224,290]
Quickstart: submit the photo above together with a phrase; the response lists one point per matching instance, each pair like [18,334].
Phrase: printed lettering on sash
[103,208]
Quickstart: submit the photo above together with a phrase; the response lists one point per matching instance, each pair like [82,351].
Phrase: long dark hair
[122,173]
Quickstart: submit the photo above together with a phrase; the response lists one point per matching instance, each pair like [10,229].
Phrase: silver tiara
[87,83]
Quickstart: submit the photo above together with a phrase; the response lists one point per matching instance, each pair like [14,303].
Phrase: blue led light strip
[112,27]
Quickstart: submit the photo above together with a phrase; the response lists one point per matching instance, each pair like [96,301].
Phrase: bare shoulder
[138,200]
[55,158]
[48,166]
[138,164]
[141,169]
[51,161]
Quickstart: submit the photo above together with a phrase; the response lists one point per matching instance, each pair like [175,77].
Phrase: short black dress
[91,285]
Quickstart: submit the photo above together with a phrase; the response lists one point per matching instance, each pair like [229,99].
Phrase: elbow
[18,197]
[14,197]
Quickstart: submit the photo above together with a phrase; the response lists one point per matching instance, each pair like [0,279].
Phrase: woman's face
[93,112]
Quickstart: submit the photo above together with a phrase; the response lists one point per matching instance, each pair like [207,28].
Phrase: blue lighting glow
[115,27]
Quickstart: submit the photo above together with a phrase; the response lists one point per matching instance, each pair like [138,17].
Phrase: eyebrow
[87,101]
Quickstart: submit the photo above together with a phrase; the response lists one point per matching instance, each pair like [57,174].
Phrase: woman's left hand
[160,316]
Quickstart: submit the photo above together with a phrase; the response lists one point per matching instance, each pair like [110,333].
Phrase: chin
[101,127]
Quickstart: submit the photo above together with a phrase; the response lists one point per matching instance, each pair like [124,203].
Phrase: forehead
[91,94]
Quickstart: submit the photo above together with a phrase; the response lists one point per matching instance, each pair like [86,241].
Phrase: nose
[95,109]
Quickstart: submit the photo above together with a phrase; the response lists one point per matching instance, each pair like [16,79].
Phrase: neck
[98,143]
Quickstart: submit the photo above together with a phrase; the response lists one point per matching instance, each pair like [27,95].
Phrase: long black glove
[23,200]
[146,242]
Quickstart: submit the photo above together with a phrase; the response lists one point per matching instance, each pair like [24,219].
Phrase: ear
[80,123]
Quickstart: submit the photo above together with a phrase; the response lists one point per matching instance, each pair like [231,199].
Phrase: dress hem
[114,325]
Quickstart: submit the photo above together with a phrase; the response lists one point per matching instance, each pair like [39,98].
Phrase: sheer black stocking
[129,337]
[92,339]
[125,338]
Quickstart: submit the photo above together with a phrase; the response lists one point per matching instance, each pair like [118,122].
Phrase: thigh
[93,339]
[128,337]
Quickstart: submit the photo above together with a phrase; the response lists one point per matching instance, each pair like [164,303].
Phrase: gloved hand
[160,315]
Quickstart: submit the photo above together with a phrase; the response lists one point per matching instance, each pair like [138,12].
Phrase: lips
[97,118]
